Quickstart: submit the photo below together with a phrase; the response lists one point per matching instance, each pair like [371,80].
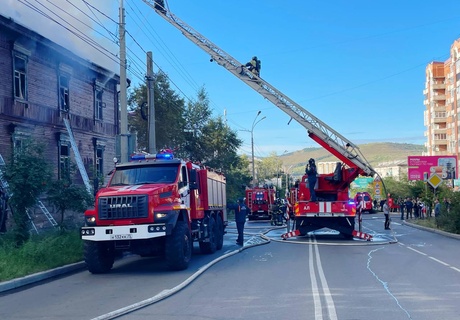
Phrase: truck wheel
[210,246]
[178,247]
[220,236]
[99,256]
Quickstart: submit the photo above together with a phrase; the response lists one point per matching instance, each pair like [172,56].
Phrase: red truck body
[156,206]
[368,205]
[260,201]
[333,208]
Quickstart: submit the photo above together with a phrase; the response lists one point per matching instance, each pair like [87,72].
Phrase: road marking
[324,286]
[330,302]
[441,262]
[419,252]
[314,286]
[432,258]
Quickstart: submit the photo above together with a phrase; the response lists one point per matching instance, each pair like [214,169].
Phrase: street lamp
[254,123]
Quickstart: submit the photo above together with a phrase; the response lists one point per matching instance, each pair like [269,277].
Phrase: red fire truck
[368,205]
[260,201]
[156,205]
[333,209]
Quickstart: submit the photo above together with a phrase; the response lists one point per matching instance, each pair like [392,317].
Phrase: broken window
[20,77]
[63,93]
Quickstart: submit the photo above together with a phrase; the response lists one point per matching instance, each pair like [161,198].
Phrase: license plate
[121,236]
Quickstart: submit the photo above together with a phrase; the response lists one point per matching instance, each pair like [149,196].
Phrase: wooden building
[41,84]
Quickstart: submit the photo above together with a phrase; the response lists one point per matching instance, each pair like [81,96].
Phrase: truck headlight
[160,215]
[90,220]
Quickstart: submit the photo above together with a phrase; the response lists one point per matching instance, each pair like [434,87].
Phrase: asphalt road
[405,273]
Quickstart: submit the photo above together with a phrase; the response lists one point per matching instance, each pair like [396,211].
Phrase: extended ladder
[314,126]
[81,166]
[47,213]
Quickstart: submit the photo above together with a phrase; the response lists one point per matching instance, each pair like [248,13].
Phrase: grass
[39,253]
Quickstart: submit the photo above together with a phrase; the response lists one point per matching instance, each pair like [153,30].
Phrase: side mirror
[193,180]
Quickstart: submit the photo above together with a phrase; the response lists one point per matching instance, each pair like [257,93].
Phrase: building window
[64,159]
[63,93]
[20,77]
[99,160]
[99,105]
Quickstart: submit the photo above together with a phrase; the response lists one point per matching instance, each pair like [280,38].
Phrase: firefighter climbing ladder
[81,166]
[313,125]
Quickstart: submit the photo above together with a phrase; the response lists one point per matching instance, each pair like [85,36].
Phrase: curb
[443,233]
[40,276]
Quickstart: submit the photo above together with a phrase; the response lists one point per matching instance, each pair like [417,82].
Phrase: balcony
[439,86]
[438,97]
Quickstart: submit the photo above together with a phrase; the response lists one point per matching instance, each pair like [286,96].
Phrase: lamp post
[254,123]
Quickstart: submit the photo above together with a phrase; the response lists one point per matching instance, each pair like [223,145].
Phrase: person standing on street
[386,212]
[240,219]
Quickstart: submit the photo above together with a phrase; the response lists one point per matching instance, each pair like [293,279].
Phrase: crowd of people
[416,208]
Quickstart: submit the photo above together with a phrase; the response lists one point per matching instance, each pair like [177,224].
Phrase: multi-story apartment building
[442,93]
[43,83]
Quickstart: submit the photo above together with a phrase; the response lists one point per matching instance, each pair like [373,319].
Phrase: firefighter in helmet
[311,171]
[254,66]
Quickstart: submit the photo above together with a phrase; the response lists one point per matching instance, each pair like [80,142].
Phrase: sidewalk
[444,233]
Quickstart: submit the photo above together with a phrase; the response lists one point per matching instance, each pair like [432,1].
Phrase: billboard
[422,167]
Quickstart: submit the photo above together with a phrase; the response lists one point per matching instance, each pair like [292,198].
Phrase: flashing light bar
[147,156]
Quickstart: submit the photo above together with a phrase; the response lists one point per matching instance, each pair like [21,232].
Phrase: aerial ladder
[328,138]
[335,211]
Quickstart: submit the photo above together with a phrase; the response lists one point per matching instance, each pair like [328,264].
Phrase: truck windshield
[144,175]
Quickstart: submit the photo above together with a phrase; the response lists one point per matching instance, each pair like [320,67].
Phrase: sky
[359,66]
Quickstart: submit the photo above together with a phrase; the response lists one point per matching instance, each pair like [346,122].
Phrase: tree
[27,175]
[238,177]
[65,195]
[197,114]
[269,167]
[169,109]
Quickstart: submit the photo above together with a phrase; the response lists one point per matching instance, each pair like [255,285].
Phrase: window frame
[20,82]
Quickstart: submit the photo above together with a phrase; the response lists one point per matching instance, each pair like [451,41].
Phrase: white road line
[329,301]
[423,254]
[441,262]
[314,285]
[434,259]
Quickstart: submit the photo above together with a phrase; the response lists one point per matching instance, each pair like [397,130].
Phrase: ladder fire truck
[333,209]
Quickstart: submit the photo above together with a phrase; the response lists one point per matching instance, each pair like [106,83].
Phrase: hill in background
[374,153]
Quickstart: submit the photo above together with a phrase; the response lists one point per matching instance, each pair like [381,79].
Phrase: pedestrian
[437,211]
[409,206]
[375,204]
[416,209]
[386,212]
[401,207]
[240,219]
[311,171]
[359,211]
[254,66]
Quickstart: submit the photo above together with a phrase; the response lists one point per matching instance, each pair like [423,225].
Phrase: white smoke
[62,19]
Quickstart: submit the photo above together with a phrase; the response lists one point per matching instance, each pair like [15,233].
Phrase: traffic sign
[435,180]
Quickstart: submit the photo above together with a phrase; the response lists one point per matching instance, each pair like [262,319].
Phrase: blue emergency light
[147,156]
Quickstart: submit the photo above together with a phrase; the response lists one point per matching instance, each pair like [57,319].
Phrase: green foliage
[238,177]
[39,253]
[65,195]
[169,110]
[28,174]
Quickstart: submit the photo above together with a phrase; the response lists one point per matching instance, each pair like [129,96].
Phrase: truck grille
[123,207]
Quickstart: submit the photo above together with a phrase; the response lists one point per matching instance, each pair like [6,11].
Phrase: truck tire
[178,247]
[210,246]
[220,237]
[99,256]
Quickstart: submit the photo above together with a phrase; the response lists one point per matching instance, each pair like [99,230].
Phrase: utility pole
[123,88]
[151,104]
